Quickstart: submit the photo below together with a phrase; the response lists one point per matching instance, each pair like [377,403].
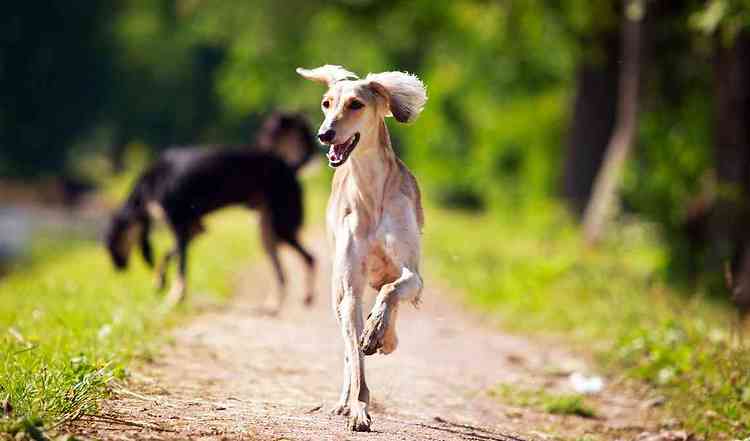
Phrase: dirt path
[233,374]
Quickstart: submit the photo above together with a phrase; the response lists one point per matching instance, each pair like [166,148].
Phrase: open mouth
[339,153]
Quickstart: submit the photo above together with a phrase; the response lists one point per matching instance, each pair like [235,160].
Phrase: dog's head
[289,136]
[123,232]
[353,106]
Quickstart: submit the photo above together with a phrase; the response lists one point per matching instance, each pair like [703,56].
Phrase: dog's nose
[327,136]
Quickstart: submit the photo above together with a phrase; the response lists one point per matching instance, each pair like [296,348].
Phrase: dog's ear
[327,74]
[404,93]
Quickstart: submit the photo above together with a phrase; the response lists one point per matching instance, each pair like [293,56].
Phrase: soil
[233,373]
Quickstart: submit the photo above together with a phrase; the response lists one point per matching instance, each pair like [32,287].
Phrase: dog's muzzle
[339,153]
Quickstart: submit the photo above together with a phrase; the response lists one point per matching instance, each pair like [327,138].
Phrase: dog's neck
[369,168]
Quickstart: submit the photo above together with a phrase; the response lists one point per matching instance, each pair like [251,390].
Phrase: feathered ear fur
[404,92]
[327,74]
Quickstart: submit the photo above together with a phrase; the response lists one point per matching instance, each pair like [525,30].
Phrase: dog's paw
[176,295]
[359,421]
[271,308]
[340,409]
[373,334]
[271,311]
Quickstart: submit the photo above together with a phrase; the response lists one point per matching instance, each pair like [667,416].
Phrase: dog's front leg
[162,267]
[179,286]
[380,331]
[342,405]
[359,394]
[348,283]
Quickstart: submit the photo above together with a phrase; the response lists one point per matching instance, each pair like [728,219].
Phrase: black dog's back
[191,182]
[185,184]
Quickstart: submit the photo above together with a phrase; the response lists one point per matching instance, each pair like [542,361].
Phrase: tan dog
[374,216]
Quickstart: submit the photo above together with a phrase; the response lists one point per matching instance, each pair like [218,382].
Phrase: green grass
[528,266]
[539,399]
[69,323]
[568,405]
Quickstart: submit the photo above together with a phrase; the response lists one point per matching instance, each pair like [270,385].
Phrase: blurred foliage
[55,65]
[500,76]
[727,17]
[177,71]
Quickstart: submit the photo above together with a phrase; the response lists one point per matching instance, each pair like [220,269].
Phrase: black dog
[185,184]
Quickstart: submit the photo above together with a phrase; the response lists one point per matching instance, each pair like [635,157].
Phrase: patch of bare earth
[235,374]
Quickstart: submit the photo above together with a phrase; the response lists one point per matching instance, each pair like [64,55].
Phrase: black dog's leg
[179,286]
[310,270]
[162,268]
[270,242]
[146,249]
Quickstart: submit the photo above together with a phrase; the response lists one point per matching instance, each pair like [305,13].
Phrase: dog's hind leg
[270,242]
[309,270]
[380,330]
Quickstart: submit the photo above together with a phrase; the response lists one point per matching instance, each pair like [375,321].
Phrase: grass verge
[69,323]
[539,399]
[528,267]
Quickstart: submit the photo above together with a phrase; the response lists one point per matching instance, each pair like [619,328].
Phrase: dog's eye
[326,104]
[356,104]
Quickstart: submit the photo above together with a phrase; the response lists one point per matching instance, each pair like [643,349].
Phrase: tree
[605,186]
[56,64]
[728,235]
[593,116]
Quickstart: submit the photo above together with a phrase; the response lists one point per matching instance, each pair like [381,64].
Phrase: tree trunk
[593,118]
[605,186]
[729,238]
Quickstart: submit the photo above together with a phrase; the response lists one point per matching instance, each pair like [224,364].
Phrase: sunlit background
[523,104]
[522,94]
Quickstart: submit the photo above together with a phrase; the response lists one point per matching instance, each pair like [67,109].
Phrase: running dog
[185,184]
[374,216]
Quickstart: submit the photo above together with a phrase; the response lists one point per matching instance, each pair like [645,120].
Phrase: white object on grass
[586,385]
